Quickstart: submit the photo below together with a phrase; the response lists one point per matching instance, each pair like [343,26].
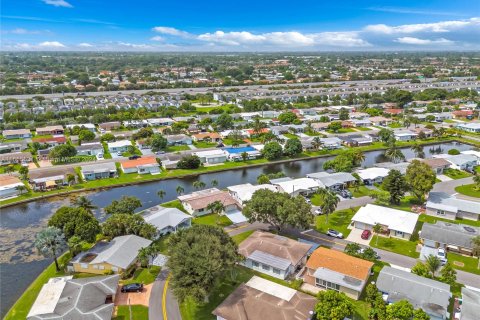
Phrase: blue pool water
[239,150]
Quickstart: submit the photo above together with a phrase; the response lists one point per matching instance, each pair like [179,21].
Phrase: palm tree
[476,248]
[258,126]
[50,242]
[74,245]
[328,200]
[377,228]
[85,203]
[244,156]
[214,183]
[21,188]
[161,193]
[406,123]
[180,190]
[317,142]
[418,150]
[394,154]
[143,256]
[70,179]
[433,263]
[198,185]
[216,207]
[359,157]
[415,121]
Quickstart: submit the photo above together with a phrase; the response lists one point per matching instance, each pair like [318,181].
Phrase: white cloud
[134,45]
[417,41]
[51,44]
[171,31]
[341,39]
[436,27]
[85,45]
[21,31]
[157,38]
[58,3]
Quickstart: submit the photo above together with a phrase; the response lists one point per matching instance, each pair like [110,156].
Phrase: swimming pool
[239,150]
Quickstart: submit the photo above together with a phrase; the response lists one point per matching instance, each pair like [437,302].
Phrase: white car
[318,211]
[442,255]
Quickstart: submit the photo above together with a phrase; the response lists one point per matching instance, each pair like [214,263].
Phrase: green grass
[139,312]
[143,275]
[15,167]
[106,152]
[343,130]
[470,263]
[174,204]
[405,204]
[468,190]
[178,148]
[229,142]
[361,191]
[433,219]
[338,220]
[22,306]
[456,174]
[212,220]
[403,247]
[205,144]
[395,125]
[290,136]
[242,236]
[363,128]
[162,244]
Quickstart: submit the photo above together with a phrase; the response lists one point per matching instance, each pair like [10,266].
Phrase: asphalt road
[449,187]
[162,304]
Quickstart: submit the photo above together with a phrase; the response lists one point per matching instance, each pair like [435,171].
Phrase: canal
[20,264]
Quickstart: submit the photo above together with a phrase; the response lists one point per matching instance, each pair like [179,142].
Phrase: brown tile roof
[61,139]
[202,200]
[50,172]
[203,135]
[436,162]
[6,179]
[139,162]
[339,262]
[275,245]
[247,303]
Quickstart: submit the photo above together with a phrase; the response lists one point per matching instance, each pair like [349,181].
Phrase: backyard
[339,220]
[139,312]
[212,220]
[468,190]
[464,263]
[456,174]
[403,247]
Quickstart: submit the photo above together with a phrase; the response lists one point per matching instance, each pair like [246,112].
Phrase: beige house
[196,203]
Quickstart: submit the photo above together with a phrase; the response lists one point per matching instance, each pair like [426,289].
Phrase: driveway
[443,178]
[132,298]
[356,236]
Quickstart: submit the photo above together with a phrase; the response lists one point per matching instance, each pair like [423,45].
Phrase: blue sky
[155,25]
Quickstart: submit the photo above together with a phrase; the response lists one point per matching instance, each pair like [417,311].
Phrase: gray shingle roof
[331,179]
[339,278]
[269,260]
[162,217]
[450,233]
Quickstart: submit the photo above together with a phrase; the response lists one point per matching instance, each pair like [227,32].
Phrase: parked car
[132,287]
[134,157]
[119,154]
[366,234]
[346,194]
[442,255]
[335,234]
[318,211]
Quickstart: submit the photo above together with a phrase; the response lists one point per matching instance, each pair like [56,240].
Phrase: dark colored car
[134,157]
[132,287]
[366,234]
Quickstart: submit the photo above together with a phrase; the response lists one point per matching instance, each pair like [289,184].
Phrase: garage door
[363,226]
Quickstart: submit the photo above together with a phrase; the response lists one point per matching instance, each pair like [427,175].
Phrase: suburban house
[277,256]
[16,134]
[167,220]
[470,307]
[395,223]
[469,127]
[53,178]
[356,140]
[335,270]
[15,157]
[207,136]
[178,139]
[261,299]
[90,149]
[117,255]
[437,164]
[108,126]
[76,299]
[372,175]
[211,156]
[380,121]
[244,192]
[449,236]
[331,143]
[141,165]
[430,295]
[118,146]
[99,171]
[446,206]
[404,135]
[462,161]
[196,203]
[8,186]
[361,122]
[294,187]
[333,181]
[12,147]
[87,126]
[51,141]
[399,166]
[50,130]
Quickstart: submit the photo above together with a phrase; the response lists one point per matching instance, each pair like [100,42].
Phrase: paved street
[163,305]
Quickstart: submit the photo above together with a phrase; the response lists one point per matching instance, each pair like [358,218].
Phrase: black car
[132,287]
[134,157]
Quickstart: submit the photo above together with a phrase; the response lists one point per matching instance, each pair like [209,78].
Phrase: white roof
[271,288]
[210,153]
[162,217]
[245,191]
[291,186]
[474,125]
[48,297]
[86,125]
[472,152]
[120,143]
[394,219]
[372,173]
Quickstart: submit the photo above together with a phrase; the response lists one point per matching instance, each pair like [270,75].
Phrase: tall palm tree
[328,201]
[216,208]
[85,203]
[394,154]
[433,263]
[359,157]
[180,190]
[198,185]
[21,188]
[258,126]
[161,193]
[476,248]
[316,142]
[377,228]
[50,242]
[70,179]
[418,150]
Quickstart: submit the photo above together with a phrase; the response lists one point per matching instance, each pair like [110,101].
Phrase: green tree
[396,185]
[272,151]
[287,117]
[23,171]
[448,274]
[198,184]
[86,135]
[386,136]
[161,193]
[418,150]
[158,142]
[263,179]
[335,126]
[394,154]
[420,269]
[214,183]
[75,222]
[377,228]
[75,245]
[279,210]
[107,137]
[328,202]
[62,151]
[189,162]
[400,310]
[419,314]
[382,197]
[293,147]
[333,305]
[371,292]
[244,156]
[420,178]
[433,263]
[71,179]
[180,190]
[343,114]
[224,121]
[50,242]
[198,257]
[85,203]
[352,249]
[122,224]
[126,204]
[453,152]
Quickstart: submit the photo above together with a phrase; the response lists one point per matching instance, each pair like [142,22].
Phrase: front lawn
[468,190]
[363,128]
[403,247]
[339,220]
[469,263]
[432,219]
[143,275]
[406,203]
[290,136]
[205,144]
[242,236]
[360,191]
[139,312]
[343,130]
[177,148]
[456,174]
[213,220]
[174,204]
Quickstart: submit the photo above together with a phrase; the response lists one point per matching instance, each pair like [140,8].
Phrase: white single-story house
[90,149]
[395,223]
[119,146]
[99,171]
[9,186]
[178,139]
[332,181]
[373,175]
[244,192]
[141,165]
[470,127]
[212,156]
[16,134]
[88,126]
[404,135]
[298,186]
[444,205]
[167,220]
[331,143]
[463,161]
[196,203]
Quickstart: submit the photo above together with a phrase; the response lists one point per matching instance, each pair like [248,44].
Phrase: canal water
[20,264]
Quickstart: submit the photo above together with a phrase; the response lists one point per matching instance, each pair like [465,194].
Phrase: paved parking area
[127,298]
[356,236]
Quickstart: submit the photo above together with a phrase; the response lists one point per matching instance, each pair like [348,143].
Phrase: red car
[366,234]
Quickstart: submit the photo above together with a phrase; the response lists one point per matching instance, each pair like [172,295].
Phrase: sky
[244,25]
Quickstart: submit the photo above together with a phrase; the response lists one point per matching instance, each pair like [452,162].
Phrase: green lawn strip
[403,247]
[143,275]
[174,204]
[212,220]
[363,128]
[242,236]
[162,244]
[343,130]
[106,152]
[456,174]
[205,144]
[469,263]
[468,190]
[432,219]
[15,167]
[139,312]
[405,204]
[339,220]
[360,191]
[290,136]
[177,148]
[21,308]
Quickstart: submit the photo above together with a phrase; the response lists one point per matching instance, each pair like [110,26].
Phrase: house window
[265,267]
[84,265]
[102,267]
[114,269]
[399,234]
[326,284]
[95,266]
[276,271]
[255,264]
[440,213]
